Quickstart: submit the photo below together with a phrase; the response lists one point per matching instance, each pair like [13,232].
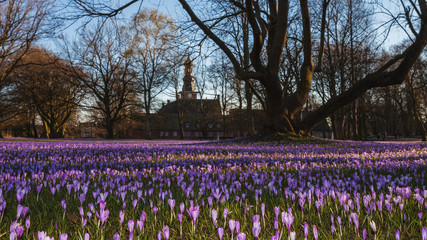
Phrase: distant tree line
[300,62]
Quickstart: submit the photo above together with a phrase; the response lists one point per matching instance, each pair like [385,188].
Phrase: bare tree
[417,80]
[222,77]
[154,38]
[349,53]
[103,56]
[268,26]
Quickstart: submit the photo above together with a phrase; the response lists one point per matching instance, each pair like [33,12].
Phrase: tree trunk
[109,127]
[421,125]
[410,91]
[249,116]
[148,126]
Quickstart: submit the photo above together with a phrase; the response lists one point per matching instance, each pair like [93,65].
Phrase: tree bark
[109,127]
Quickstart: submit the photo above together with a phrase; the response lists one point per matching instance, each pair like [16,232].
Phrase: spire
[188,76]
[188,66]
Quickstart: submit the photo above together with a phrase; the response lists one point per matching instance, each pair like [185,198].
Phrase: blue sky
[174,9]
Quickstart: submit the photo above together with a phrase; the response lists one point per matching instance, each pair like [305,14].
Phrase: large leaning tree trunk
[268,25]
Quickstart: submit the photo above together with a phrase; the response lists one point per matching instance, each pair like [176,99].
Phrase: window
[190,95]
[218,125]
[187,125]
[162,134]
[175,134]
[210,125]
[166,134]
[197,125]
[196,134]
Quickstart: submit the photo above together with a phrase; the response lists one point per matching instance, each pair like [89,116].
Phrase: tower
[188,89]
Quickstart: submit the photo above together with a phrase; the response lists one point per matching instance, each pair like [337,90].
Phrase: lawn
[212,190]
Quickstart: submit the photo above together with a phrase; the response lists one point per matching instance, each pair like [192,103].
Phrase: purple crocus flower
[262,210]
[364,234]
[276,211]
[424,233]
[166,232]
[19,211]
[301,203]
[179,216]
[288,220]
[171,203]
[86,236]
[256,229]
[142,217]
[194,213]
[255,218]
[103,214]
[159,235]
[27,223]
[64,204]
[13,226]
[155,209]
[232,225]
[397,234]
[139,225]
[116,236]
[315,233]
[182,207]
[81,211]
[373,227]
[131,225]
[237,223]
[220,233]
[225,213]
[121,218]
[276,224]
[41,235]
[82,198]
[214,215]
[210,201]
[63,236]
[305,230]
[292,235]
[134,204]
[241,236]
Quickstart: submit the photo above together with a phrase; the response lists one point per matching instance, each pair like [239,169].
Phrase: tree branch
[211,35]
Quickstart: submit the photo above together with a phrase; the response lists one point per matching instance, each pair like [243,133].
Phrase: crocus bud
[220,233]
[315,233]
[232,225]
[116,236]
[166,232]
[305,230]
[241,236]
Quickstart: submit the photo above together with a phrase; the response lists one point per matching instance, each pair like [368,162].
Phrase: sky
[173,9]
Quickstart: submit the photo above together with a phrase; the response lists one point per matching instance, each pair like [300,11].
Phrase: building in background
[189,116]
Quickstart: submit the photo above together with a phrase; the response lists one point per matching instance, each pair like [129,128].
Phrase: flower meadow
[212,190]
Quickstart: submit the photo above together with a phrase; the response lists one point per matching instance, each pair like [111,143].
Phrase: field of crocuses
[212,190]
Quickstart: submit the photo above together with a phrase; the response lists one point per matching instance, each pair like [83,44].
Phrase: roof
[192,106]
